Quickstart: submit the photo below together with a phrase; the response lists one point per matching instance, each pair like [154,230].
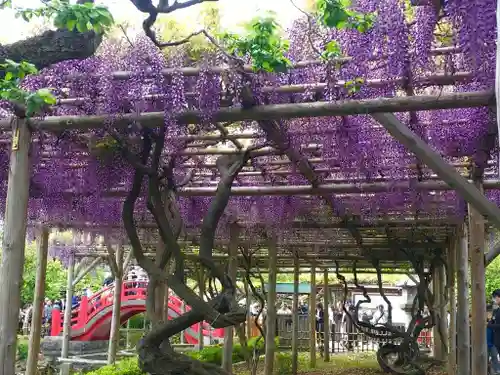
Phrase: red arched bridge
[91,319]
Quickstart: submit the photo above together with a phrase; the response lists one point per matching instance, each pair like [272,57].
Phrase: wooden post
[67,314]
[326,300]
[440,329]
[115,318]
[452,341]
[127,337]
[183,333]
[201,289]
[14,238]
[463,324]
[227,354]
[247,304]
[441,167]
[295,317]
[166,300]
[312,319]
[271,309]
[479,357]
[36,318]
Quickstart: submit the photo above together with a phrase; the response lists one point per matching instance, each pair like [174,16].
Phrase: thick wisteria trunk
[156,355]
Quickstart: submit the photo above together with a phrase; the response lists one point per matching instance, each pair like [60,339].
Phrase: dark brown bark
[155,353]
[52,47]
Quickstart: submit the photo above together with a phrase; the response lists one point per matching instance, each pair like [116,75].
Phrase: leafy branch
[82,17]
[13,73]
[262,43]
[337,14]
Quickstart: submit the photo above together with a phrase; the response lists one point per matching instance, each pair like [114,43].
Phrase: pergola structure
[436,199]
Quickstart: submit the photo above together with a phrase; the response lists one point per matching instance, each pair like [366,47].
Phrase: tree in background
[56,277]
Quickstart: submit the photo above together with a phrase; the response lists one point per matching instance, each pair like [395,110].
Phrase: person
[284,310]
[303,308]
[88,292]
[47,312]
[108,280]
[320,323]
[492,350]
[494,323]
[380,316]
[255,309]
[337,315]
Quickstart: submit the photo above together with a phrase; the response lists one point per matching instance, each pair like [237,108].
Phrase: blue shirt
[489,337]
[48,312]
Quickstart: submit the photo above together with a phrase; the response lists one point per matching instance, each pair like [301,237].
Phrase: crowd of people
[342,329]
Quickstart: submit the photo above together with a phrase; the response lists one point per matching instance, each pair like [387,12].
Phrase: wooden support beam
[295,317]
[14,238]
[326,309]
[479,355]
[67,314]
[410,221]
[492,254]
[275,111]
[463,322]
[312,318]
[270,329]
[86,270]
[194,71]
[452,340]
[38,303]
[321,189]
[308,190]
[438,79]
[449,175]
[227,355]
[115,317]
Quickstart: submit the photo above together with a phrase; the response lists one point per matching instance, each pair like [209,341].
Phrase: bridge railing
[89,307]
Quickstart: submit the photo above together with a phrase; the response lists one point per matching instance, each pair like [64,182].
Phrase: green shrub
[211,354]
[136,322]
[127,366]
[258,343]
[283,364]
[22,351]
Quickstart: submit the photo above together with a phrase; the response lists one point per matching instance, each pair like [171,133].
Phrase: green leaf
[70,24]
[9,76]
[6,4]
[81,26]
[47,96]
[98,28]
[26,16]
